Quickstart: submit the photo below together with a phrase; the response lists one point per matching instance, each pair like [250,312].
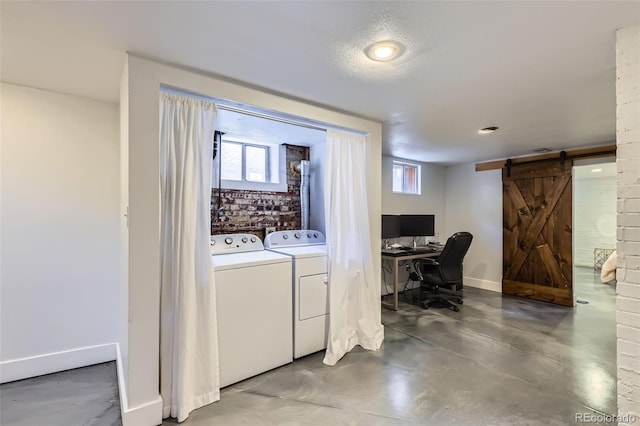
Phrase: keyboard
[393,251]
[422,250]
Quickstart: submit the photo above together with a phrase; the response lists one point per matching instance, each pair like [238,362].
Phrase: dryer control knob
[308,234]
[213,242]
[297,235]
[315,235]
[245,239]
[285,236]
[254,239]
[228,240]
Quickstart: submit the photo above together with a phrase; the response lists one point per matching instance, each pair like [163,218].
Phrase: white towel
[609,268]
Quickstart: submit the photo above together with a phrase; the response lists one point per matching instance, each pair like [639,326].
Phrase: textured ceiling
[544,72]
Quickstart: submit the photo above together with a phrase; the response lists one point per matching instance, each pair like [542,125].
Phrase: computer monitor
[417,225]
[390,226]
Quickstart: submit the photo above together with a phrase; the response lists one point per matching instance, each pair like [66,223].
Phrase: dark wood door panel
[537,234]
[532,291]
[540,169]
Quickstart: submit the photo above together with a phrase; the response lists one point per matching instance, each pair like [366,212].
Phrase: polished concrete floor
[84,397]
[499,361]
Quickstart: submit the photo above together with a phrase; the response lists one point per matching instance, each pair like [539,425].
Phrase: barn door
[537,234]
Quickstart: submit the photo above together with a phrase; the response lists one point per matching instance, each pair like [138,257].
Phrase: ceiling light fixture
[541,150]
[596,170]
[384,51]
[487,130]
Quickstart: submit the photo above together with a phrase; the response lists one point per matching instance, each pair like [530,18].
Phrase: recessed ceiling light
[384,50]
[541,150]
[596,170]
[487,130]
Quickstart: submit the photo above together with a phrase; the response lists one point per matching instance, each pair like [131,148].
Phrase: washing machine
[309,282]
[253,297]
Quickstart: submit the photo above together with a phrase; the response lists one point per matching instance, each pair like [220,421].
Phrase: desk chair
[445,271]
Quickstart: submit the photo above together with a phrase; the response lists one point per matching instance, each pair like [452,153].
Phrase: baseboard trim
[483,284]
[24,368]
[122,384]
[147,414]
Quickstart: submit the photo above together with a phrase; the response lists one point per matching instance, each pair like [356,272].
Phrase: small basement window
[252,166]
[406,178]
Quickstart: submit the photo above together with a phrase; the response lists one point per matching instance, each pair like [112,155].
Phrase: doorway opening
[594,229]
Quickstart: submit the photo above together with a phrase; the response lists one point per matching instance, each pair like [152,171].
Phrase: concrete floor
[85,396]
[499,361]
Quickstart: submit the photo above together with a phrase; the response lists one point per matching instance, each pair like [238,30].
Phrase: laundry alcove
[141,84]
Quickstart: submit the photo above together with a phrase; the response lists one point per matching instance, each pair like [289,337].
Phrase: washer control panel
[235,243]
[303,237]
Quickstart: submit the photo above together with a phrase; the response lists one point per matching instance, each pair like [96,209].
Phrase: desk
[395,258]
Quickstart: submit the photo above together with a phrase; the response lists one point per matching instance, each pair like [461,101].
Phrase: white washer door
[254,320]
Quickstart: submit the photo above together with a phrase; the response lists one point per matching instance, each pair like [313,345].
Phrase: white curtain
[354,297]
[189,375]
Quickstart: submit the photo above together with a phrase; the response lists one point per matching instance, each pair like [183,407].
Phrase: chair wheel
[456,309]
[459,301]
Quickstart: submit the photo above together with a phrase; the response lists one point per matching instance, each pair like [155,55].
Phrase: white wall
[594,220]
[628,247]
[59,240]
[144,78]
[474,204]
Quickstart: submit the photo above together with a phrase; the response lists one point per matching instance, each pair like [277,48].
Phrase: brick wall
[628,213]
[253,211]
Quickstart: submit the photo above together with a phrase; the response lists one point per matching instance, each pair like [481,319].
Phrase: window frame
[418,176]
[275,159]
[243,161]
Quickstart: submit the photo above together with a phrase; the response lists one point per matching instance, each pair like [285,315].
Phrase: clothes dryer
[253,300]
[309,282]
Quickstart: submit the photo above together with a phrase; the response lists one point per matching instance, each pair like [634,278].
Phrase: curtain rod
[224,104]
[269,117]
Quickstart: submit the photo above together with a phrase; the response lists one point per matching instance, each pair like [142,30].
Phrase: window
[252,166]
[406,178]
[244,162]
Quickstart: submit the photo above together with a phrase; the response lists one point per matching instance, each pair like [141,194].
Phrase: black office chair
[445,271]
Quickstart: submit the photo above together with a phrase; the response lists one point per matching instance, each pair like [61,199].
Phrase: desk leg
[395,284]
[394,305]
